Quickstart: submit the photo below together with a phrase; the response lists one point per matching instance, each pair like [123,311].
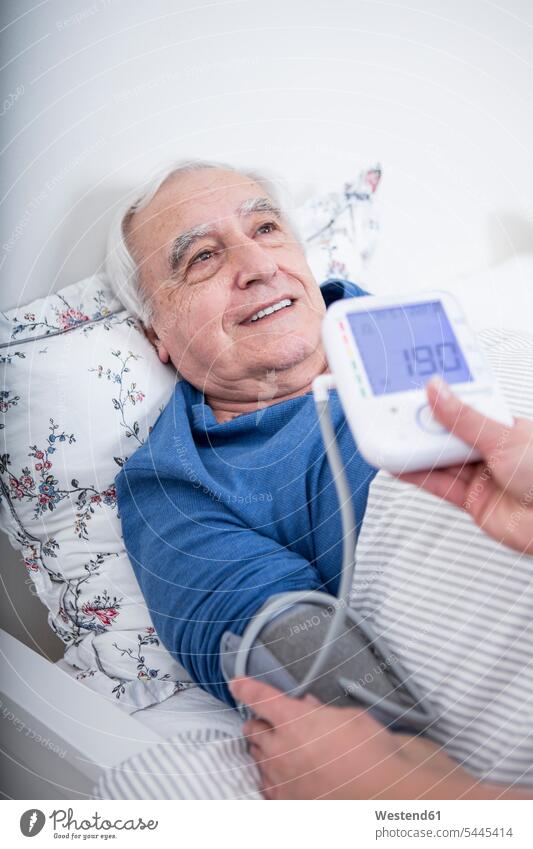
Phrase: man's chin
[283,356]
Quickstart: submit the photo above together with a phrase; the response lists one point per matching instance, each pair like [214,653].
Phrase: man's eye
[268,227]
[203,256]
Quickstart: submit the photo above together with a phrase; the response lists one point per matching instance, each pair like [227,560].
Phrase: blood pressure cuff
[359,668]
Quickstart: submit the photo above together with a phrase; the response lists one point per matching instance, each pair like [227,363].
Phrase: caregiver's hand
[305,750]
[497,491]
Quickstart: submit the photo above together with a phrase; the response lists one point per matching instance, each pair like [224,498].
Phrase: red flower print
[39,455]
[372,178]
[70,317]
[38,466]
[109,496]
[105,615]
[17,492]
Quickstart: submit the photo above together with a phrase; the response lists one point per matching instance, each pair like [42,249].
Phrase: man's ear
[152,337]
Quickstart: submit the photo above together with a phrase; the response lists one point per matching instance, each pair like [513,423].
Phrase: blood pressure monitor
[382,350]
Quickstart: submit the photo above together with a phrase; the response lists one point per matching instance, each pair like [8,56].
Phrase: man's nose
[252,263]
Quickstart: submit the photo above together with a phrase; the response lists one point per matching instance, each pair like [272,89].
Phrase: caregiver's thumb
[468,424]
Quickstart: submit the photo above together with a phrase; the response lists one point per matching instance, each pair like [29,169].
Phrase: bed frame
[45,751]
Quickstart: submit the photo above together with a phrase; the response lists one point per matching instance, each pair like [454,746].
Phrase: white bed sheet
[202,755]
[188,710]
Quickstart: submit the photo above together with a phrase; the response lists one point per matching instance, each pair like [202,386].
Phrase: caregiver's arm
[201,570]
[497,491]
[305,750]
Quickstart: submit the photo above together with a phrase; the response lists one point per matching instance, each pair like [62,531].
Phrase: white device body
[393,427]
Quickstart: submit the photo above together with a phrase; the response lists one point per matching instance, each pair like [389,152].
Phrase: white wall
[97,91]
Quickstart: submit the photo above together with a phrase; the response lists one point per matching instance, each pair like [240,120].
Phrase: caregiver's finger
[269,787]
[459,418]
[262,760]
[461,471]
[254,728]
[255,752]
[440,482]
[267,702]
[266,791]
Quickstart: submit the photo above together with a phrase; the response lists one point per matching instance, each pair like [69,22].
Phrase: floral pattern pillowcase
[81,390]
[340,228]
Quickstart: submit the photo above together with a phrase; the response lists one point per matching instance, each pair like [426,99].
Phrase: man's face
[213,251]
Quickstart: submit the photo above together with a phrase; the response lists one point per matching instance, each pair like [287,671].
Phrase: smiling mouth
[266,315]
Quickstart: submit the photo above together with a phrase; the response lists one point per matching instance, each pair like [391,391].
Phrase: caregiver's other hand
[498,490]
[306,750]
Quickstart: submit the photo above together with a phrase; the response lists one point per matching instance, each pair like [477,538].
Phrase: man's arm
[201,570]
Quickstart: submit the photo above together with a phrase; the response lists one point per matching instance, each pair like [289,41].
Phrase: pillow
[82,388]
[340,228]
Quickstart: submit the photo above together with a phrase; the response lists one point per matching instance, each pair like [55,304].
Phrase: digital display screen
[403,347]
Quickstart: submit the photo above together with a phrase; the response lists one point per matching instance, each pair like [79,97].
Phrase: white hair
[122,268]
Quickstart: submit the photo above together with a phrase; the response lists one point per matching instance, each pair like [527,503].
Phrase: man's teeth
[286,302]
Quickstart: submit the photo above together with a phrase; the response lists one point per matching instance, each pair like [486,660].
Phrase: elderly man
[231,499]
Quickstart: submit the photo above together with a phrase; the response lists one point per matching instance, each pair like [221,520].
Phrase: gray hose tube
[321,386]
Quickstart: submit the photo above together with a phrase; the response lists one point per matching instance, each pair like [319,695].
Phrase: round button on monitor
[427,422]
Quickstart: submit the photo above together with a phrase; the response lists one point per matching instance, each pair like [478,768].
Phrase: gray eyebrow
[186,240]
[262,204]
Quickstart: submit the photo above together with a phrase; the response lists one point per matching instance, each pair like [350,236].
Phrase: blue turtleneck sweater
[218,517]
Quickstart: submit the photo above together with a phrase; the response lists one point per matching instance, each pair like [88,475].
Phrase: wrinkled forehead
[199,199]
